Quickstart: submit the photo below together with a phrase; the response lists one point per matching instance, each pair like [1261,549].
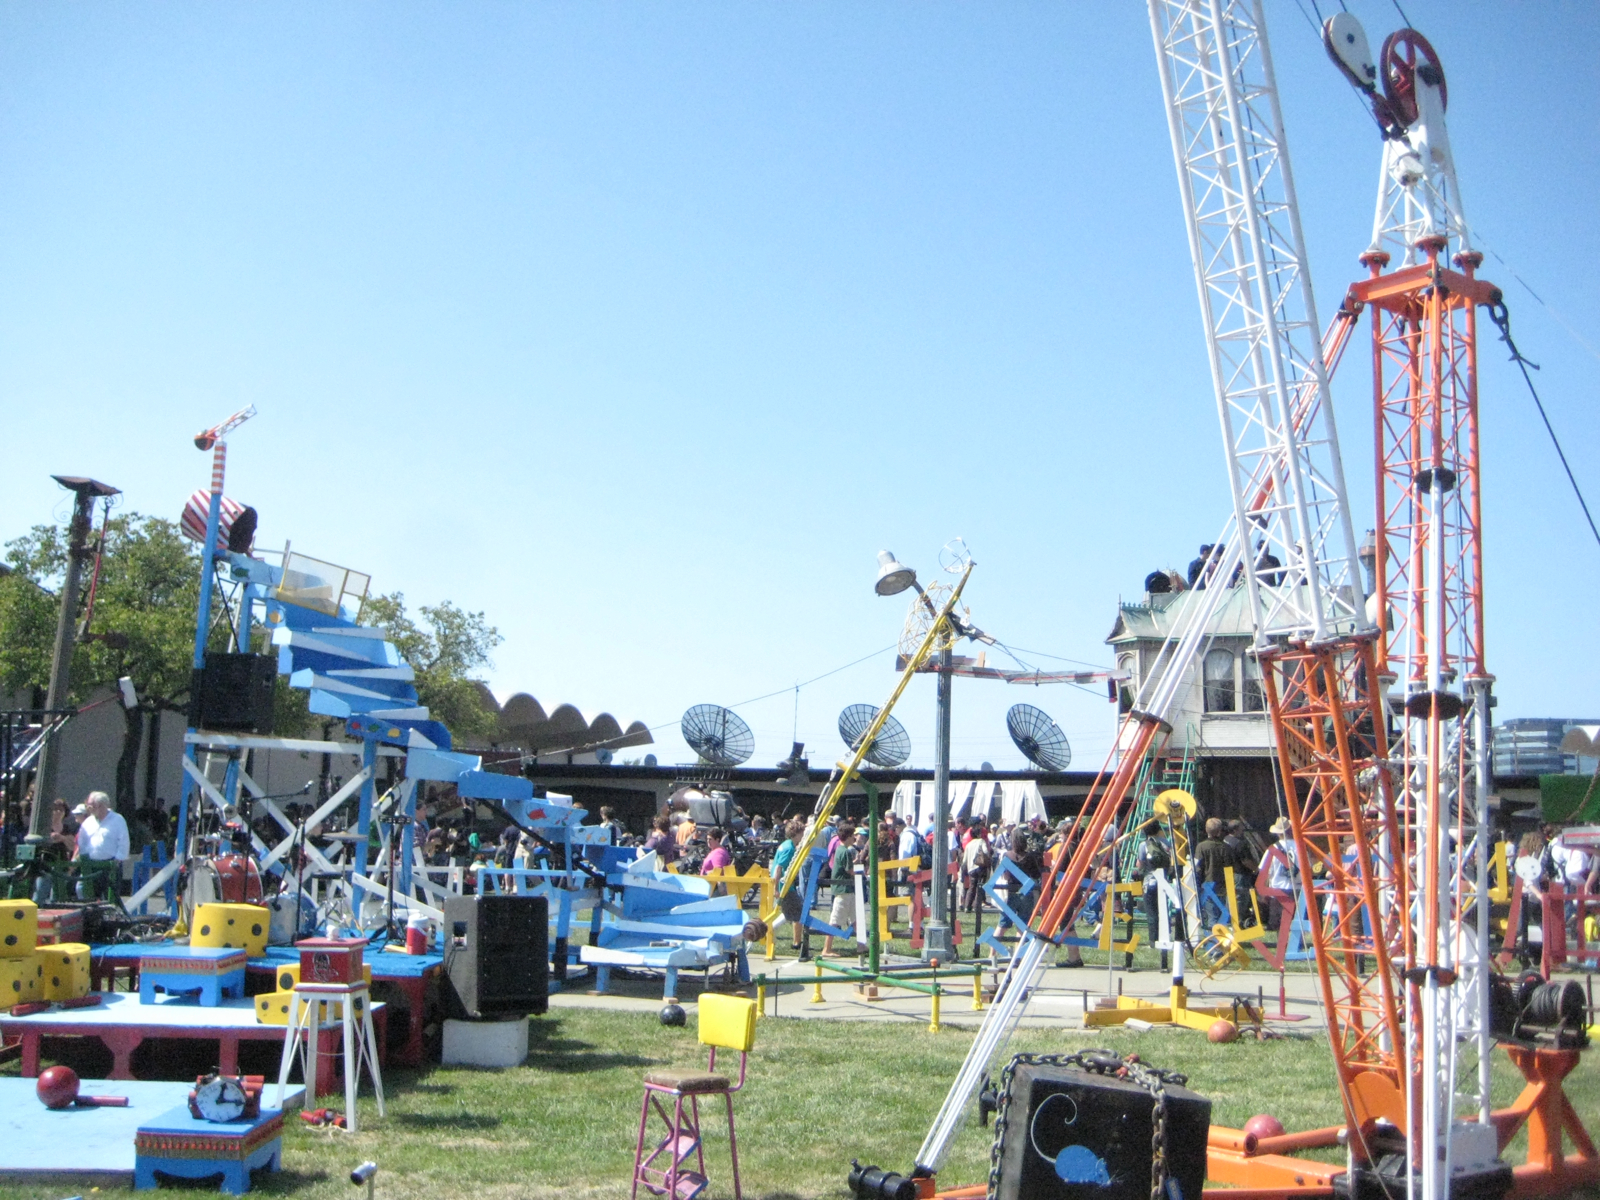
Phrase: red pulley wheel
[1405,52]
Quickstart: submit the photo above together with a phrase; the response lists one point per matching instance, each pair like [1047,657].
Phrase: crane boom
[1395,920]
[1290,537]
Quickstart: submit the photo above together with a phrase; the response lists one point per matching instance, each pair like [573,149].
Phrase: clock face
[220,1099]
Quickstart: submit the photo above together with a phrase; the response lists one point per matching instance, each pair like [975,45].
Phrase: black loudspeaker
[232,693]
[496,956]
[1073,1135]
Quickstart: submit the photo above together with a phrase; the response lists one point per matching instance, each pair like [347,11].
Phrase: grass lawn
[819,1093]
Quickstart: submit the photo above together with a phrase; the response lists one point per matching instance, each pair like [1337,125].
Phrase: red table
[411,975]
[122,1024]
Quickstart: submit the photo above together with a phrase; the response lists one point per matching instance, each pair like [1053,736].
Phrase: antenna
[1038,737]
[890,748]
[718,735]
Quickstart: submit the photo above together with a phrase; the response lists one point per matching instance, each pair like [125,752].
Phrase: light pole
[85,493]
[893,578]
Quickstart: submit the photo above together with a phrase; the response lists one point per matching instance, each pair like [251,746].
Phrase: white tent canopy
[1009,801]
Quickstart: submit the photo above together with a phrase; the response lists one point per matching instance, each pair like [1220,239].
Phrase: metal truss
[1332,754]
[1265,348]
[1429,586]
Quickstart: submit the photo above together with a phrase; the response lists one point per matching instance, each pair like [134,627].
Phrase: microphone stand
[389,925]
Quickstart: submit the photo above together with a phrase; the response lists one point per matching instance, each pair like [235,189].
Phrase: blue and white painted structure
[666,922]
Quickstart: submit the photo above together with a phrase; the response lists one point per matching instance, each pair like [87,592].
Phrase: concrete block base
[486,1043]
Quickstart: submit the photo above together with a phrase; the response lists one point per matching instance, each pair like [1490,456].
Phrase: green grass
[819,1093]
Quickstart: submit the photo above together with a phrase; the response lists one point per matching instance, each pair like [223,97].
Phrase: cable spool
[1553,1004]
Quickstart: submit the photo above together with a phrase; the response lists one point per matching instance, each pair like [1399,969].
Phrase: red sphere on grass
[1223,1030]
[57,1086]
[1264,1125]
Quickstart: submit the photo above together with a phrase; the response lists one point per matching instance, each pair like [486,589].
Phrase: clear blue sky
[642,327]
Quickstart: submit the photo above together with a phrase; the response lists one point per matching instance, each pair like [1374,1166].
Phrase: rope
[1501,316]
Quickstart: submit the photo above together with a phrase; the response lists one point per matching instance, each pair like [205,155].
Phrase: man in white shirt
[1574,863]
[909,843]
[102,845]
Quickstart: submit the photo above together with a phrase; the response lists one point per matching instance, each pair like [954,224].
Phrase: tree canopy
[142,627]
[445,652]
[144,608]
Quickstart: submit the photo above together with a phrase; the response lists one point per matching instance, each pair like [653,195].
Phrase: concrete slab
[1058,1001]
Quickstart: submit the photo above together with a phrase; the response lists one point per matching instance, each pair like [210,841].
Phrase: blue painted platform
[83,1147]
[384,966]
[180,1145]
[214,972]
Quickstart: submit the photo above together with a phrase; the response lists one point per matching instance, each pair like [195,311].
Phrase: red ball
[1223,1030]
[1263,1125]
[57,1086]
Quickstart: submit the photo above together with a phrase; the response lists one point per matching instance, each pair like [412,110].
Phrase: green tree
[141,627]
[444,654]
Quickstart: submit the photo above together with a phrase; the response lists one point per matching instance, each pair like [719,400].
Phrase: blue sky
[642,328]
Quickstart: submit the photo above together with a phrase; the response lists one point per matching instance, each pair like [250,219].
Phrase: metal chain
[1095,1062]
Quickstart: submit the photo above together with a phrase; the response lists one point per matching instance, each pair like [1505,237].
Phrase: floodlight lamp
[893,577]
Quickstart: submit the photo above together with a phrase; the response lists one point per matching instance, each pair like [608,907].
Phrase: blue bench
[179,1144]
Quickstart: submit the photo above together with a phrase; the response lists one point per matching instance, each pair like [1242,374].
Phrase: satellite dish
[603,756]
[650,760]
[890,748]
[1038,737]
[717,735]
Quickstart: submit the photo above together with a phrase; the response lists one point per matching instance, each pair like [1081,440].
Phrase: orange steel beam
[1267,1175]
[1331,740]
[1062,896]
[1549,1116]
[1425,407]
[1397,289]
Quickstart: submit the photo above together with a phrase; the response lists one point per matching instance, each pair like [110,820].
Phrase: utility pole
[936,937]
[86,491]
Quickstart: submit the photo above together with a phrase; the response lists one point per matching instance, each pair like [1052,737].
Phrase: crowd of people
[94,841]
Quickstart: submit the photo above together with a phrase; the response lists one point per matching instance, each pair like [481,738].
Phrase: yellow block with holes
[21,980]
[233,926]
[289,975]
[19,928]
[272,1008]
[727,1022]
[66,970]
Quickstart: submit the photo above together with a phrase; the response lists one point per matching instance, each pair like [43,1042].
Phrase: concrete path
[1059,999]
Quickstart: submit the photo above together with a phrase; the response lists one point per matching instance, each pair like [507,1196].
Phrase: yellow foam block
[19,928]
[272,1008]
[289,975]
[234,926]
[21,980]
[66,970]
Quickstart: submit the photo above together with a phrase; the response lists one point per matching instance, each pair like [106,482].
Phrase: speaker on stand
[496,956]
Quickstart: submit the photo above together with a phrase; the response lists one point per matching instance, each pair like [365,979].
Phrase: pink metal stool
[728,1023]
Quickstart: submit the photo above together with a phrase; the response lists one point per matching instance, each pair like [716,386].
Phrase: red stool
[728,1023]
